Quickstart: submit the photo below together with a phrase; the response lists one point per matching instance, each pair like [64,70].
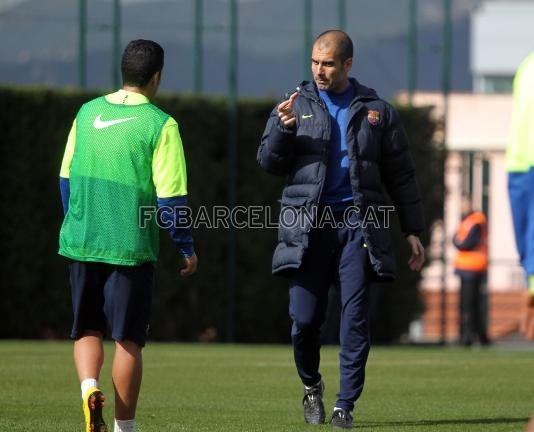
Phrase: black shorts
[118,295]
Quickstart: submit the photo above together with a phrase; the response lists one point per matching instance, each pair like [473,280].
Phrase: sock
[124,426]
[87,384]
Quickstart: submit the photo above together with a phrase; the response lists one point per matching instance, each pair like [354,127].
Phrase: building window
[497,84]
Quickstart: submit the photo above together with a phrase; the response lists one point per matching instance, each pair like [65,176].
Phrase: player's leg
[530,426]
[89,355]
[128,294]
[308,300]
[354,274]
[127,372]
[88,329]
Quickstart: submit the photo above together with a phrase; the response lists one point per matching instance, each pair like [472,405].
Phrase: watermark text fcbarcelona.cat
[262,217]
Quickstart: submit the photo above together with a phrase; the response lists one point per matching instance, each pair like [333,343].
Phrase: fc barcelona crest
[373,117]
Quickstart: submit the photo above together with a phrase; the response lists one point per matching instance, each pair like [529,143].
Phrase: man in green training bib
[123,156]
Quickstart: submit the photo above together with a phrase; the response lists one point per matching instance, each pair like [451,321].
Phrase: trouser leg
[464,310]
[479,323]
[528,258]
[354,329]
[308,299]
[472,306]
[519,195]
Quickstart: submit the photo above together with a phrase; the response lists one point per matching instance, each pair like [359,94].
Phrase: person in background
[520,168]
[471,263]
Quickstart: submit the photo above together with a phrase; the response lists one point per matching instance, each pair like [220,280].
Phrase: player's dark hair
[344,45]
[140,61]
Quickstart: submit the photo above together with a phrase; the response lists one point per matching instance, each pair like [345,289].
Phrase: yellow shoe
[93,402]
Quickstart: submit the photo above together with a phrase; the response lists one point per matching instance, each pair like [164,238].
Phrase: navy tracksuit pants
[522,205]
[334,255]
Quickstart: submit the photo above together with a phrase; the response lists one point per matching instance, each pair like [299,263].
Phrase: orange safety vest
[475,260]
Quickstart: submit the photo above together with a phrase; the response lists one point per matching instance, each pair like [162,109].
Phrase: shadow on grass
[503,420]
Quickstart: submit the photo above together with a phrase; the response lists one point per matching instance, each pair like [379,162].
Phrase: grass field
[255,388]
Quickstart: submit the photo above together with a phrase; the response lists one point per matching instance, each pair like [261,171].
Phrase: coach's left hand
[191,264]
[417,259]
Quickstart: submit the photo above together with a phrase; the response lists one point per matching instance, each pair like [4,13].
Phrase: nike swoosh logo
[307,116]
[101,124]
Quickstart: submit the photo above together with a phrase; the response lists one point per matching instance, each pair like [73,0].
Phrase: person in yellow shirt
[520,168]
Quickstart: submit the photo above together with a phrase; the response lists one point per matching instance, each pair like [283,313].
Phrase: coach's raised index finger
[287,105]
[291,100]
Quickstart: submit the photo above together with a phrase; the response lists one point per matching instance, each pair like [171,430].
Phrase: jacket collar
[309,89]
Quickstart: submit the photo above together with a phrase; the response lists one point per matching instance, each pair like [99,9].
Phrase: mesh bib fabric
[110,179]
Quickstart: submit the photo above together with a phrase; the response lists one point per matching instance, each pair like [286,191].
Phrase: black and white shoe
[341,419]
[313,404]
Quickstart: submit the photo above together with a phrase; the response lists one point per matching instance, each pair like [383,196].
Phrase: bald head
[331,61]
[336,39]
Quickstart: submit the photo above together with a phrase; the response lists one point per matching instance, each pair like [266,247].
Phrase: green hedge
[36,298]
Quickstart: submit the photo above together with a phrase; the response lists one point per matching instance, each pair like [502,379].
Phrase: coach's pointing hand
[285,111]
[190,266]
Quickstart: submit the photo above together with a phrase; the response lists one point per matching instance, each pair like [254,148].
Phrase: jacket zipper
[319,102]
[325,151]
[325,161]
